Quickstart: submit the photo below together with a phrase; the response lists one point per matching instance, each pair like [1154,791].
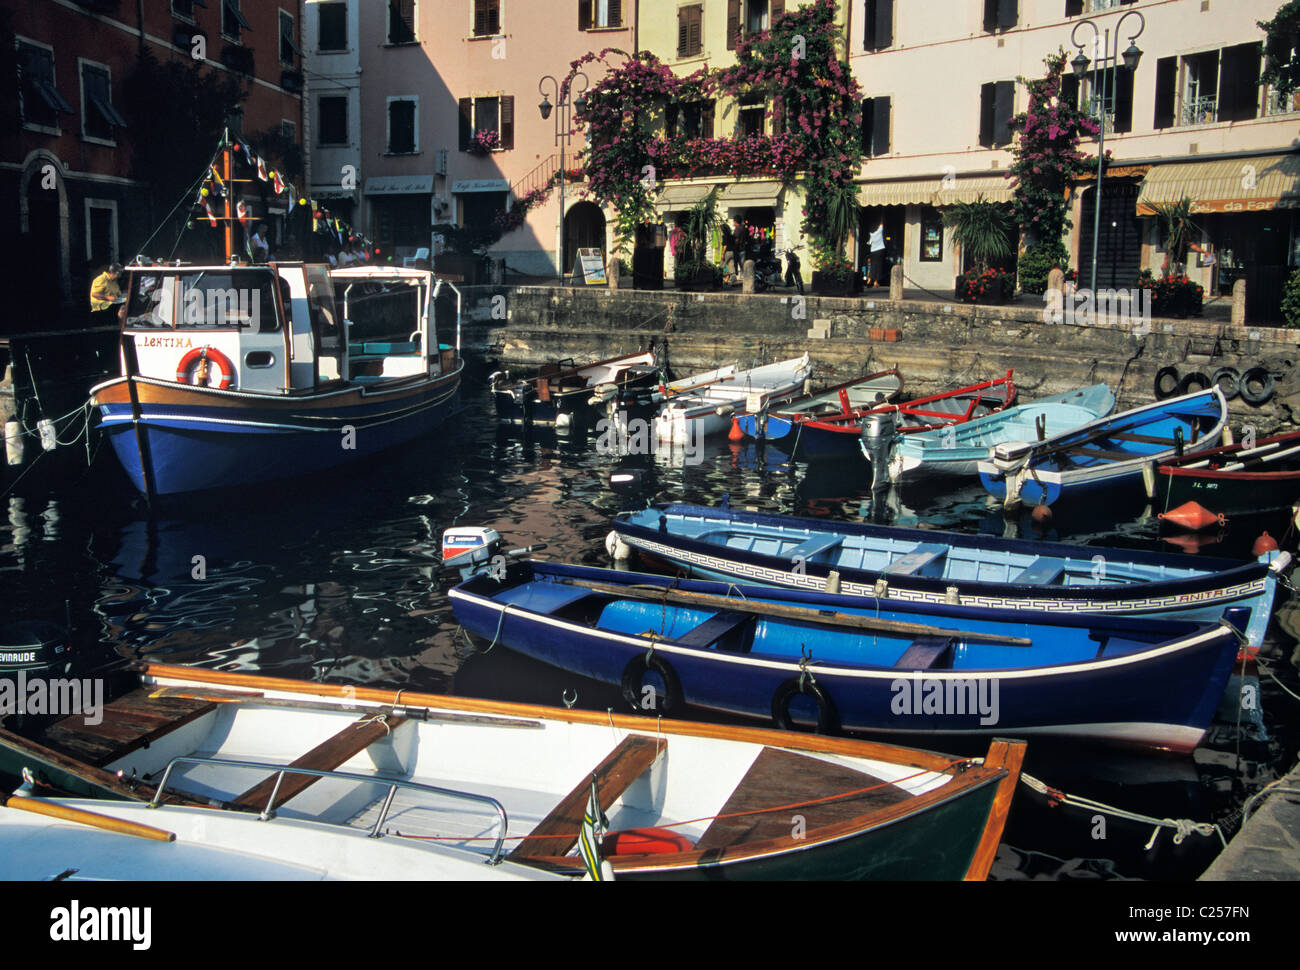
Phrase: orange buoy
[1194,516]
[1041,515]
[735,434]
[1265,543]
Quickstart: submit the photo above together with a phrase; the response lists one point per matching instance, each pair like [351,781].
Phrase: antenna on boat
[230,191]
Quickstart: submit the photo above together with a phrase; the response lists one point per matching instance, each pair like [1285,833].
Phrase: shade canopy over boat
[880,666]
[1106,453]
[956,449]
[928,566]
[424,786]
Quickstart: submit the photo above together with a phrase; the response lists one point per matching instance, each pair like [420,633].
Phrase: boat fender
[211,355]
[1195,381]
[1264,544]
[826,718]
[646,841]
[644,698]
[1257,386]
[618,550]
[1167,382]
[1228,380]
[735,434]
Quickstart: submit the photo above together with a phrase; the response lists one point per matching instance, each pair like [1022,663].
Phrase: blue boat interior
[1159,432]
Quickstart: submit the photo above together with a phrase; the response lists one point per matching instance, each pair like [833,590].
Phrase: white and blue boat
[845,663]
[924,566]
[958,448]
[1106,453]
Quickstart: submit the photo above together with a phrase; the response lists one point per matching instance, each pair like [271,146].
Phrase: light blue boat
[957,449]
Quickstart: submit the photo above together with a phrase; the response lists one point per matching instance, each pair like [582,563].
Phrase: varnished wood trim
[1008,755]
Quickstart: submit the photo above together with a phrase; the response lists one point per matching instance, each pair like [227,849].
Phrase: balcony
[1200,111]
[1277,105]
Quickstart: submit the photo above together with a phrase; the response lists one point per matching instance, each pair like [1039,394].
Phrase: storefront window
[931,236]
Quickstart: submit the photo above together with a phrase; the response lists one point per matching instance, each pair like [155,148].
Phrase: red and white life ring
[205,355]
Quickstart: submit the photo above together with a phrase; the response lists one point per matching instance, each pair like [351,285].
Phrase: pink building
[450,128]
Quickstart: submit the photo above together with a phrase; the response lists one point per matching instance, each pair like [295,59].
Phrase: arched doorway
[584,228]
[43,248]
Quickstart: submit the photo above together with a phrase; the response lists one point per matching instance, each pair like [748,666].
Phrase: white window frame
[501,21]
[222,15]
[388,25]
[27,125]
[347,32]
[111,206]
[185,17]
[388,124]
[82,64]
[293,23]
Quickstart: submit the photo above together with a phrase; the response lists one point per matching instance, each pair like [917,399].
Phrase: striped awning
[1253,184]
[682,195]
[936,191]
[750,193]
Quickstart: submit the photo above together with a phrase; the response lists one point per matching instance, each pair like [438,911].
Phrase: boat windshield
[224,298]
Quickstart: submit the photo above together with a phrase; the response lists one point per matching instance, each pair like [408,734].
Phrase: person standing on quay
[793,274]
[878,256]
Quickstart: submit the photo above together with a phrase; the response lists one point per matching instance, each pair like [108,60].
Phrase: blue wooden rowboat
[957,449]
[930,567]
[1106,453]
[866,666]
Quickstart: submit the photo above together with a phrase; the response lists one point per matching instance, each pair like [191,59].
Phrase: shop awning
[936,191]
[1253,184]
[682,195]
[750,193]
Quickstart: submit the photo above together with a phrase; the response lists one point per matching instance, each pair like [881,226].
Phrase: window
[98,116]
[1075,7]
[1216,86]
[101,232]
[479,209]
[752,118]
[183,8]
[401,21]
[288,131]
[595,14]
[333,125]
[487,17]
[403,132]
[748,17]
[232,21]
[1000,14]
[878,25]
[931,235]
[41,102]
[1117,112]
[287,47]
[997,99]
[495,114]
[690,20]
[875,126]
[333,27]
[693,119]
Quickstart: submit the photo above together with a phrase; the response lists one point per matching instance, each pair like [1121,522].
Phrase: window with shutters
[745,18]
[333,27]
[690,36]
[997,102]
[1114,109]
[332,124]
[1209,87]
[401,21]
[600,14]
[495,115]
[403,126]
[752,118]
[876,126]
[184,9]
[41,103]
[1001,14]
[689,119]
[98,116]
[878,25]
[487,17]
[288,47]
[232,20]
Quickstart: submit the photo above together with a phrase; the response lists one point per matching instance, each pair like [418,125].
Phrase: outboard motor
[477,549]
[878,432]
[35,647]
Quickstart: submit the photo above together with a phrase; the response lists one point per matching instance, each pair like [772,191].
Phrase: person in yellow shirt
[105,292]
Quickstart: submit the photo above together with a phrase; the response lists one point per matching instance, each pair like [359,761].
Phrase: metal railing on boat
[393,785]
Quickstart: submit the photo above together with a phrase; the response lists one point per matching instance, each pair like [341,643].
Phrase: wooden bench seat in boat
[1043,571]
[810,547]
[557,834]
[326,756]
[1145,439]
[798,778]
[910,564]
[714,628]
[924,652]
[134,720]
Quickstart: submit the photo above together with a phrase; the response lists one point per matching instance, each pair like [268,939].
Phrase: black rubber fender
[1195,381]
[827,720]
[1168,380]
[633,688]
[1227,380]
[1257,386]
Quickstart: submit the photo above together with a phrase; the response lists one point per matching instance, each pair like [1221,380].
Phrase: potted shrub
[985,232]
[693,269]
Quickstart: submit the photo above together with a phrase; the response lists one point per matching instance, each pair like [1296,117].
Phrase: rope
[1269,670]
[377,719]
[1183,826]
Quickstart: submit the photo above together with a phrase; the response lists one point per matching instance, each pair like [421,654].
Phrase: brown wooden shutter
[733,24]
[584,14]
[1073,8]
[683,31]
[616,13]
[1008,13]
[990,15]
[508,121]
[696,39]
[778,10]
[466,122]
[1166,88]
[868,123]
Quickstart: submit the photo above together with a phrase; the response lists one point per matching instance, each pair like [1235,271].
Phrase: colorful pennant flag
[594,824]
[261,168]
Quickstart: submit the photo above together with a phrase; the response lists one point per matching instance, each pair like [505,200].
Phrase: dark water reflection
[337,578]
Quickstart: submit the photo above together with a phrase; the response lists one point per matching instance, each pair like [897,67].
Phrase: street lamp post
[564,100]
[1130,58]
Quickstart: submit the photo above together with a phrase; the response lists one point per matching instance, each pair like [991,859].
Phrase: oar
[673,391]
[68,814]
[828,617]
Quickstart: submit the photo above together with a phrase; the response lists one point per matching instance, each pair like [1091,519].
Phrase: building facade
[68,166]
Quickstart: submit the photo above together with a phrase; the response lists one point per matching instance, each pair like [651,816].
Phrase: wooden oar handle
[68,814]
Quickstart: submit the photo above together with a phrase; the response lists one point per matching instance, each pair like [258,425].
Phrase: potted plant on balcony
[985,232]
[484,142]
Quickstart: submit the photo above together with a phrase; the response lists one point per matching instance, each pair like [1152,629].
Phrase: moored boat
[1105,453]
[957,449]
[1247,477]
[863,665]
[564,392]
[702,405]
[927,566]
[458,782]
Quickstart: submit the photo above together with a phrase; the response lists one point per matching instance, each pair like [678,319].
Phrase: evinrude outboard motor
[477,549]
[878,432]
[36,647]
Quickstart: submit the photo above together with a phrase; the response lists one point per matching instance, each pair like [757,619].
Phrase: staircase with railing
[542,176]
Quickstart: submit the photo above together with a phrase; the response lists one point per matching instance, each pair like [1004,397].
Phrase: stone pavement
[1268,846]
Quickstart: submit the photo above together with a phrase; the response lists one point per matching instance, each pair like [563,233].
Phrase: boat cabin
[280,328]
